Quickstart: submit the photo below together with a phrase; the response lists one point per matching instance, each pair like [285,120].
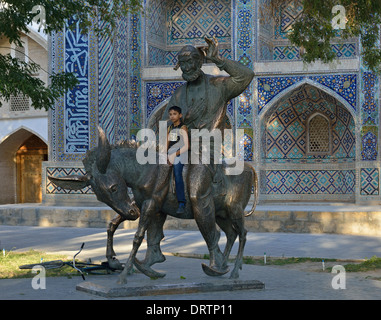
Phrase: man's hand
[211,52]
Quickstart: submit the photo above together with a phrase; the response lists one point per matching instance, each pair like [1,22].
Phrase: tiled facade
[123,83]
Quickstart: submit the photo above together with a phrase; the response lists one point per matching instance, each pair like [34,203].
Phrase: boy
[177,146]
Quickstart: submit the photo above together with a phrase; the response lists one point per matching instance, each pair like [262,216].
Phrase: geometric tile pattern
[370,181]
[286,136]
[195,19]
[106,85]
[62,172]
[285,17]
[345,50]
[122,80]
[282,53]
[310,182]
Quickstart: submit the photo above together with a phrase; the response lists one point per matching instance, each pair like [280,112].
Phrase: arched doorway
[21,156]
[29,160]
[308,148]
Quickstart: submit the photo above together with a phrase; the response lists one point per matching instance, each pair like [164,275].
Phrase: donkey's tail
[255,185]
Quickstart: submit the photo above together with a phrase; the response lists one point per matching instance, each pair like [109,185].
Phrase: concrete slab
[178,280]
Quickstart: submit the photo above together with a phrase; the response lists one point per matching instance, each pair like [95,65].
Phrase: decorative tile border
[310,182]
[57,172]
[370,181]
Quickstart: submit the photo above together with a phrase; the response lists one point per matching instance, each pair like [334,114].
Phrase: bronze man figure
[204,100]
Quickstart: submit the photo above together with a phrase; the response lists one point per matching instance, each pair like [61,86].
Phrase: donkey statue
[112,169]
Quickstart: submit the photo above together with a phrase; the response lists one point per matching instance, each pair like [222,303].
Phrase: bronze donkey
[112,169]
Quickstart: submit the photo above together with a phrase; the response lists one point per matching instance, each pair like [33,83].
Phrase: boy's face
[174,116]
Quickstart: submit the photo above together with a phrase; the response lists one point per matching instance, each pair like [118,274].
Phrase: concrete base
[287,217]
[109,290]
[183,276]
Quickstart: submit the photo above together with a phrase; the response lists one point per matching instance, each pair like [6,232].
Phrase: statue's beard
[192,76]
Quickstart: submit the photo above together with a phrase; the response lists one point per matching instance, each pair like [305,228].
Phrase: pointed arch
[16,149]
[288,92]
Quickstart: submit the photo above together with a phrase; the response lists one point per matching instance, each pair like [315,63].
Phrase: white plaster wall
[37,126]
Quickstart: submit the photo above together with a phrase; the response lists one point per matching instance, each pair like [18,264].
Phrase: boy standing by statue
[177,146]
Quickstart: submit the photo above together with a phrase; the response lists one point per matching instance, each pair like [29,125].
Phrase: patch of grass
[260,261]
[281,261]
[371,264]
[10,262]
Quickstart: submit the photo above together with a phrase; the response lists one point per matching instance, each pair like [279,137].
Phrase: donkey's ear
[103,152]
[73,182]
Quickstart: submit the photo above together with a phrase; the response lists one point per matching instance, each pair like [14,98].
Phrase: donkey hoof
[122,280]
[213,272]
[114,263]
[234,275]
[149,272]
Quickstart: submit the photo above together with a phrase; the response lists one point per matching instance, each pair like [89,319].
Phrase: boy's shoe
[181,209]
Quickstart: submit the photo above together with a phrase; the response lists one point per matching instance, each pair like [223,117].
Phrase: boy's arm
[185,147]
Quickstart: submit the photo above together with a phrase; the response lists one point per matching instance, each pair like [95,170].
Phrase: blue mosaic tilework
[286,129]
[157,92]
[122,80]
[156,22]
[369,146]
[285,17]
[281,53]
[106,85]
[369,116]
[310,182]
[346,50]
[344,85]
[63,172]
[77,100]
[156,56]
[286,53]
[370,181]
[135,112]
[195,19]
[245,51]
[269,87]
[369,107]
[74,117]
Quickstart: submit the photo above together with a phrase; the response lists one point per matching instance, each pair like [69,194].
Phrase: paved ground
[281,283]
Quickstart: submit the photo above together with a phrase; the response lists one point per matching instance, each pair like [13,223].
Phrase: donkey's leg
[226,225]
[239,225]
[148,209]
[204,213]
[110,253]
[154,236]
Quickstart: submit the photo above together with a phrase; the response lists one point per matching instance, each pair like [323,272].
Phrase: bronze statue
[214,197]
[112,169]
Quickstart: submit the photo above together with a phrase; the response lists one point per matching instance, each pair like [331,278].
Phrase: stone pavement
[280,283]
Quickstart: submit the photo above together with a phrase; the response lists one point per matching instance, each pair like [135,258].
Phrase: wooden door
[29,167]
[30,178]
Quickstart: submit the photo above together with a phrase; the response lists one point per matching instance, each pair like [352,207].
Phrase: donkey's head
[105,180]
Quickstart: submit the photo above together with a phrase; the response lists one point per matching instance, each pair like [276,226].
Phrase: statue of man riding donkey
[112,169]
